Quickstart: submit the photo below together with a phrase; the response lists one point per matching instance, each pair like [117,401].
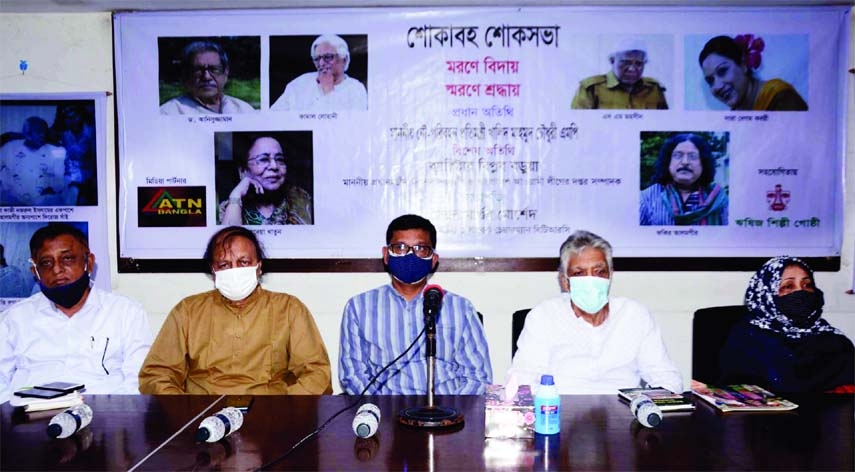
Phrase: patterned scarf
[760,301]
[706,211]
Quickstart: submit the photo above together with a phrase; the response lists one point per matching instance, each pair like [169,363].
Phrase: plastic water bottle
[70,421]
[646,411]
[547,407]
[366,421]
[216,427]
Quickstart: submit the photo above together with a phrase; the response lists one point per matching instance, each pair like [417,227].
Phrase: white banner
[507,127]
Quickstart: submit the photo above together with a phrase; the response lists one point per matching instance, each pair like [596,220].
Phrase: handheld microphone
[70,421]
[432,300]
[216,427]
[647,412]
[366,421]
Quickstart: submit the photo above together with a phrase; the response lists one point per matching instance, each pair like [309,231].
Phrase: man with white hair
[329,88]
[623,87]
[204,72]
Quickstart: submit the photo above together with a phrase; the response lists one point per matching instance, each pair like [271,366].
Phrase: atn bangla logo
[164,203]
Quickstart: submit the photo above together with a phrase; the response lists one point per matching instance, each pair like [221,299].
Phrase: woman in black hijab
[784,344]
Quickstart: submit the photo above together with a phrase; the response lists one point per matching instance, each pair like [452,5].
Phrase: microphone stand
[430,416]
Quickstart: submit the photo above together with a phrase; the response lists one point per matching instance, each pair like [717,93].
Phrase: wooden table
[597,433]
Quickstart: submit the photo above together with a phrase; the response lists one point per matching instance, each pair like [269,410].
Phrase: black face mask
[801,306]
[69,294]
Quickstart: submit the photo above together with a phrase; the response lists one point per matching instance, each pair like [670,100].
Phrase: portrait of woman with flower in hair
[731,66]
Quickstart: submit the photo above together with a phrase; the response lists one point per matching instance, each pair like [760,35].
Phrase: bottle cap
[202,435]
[546,380]
[653,419]
[363,430]
[54,430]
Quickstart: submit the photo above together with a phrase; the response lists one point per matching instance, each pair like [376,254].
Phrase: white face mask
[237,283]
[589,293]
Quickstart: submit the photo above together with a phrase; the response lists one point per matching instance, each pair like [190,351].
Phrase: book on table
[742,397]
[665,399]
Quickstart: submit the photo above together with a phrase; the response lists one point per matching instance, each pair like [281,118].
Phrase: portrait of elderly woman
[328,86]
[682,188]
[783,344]
[590,341]
[731,68]
[264,191]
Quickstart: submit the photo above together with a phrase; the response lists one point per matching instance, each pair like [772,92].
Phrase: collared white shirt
[101,346]
[626,349]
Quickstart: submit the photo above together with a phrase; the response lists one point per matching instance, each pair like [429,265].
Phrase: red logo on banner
[778,199]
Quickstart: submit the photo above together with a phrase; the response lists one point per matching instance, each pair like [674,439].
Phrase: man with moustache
[379,325]
[205,71]
[71,331]
[624,86]
[684,191]
[240,338]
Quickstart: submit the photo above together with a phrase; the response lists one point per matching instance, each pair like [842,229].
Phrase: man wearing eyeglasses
[624,86]
[71,331]
[377,326]
[329,88]
[683,190]
[205,71]
[262,197]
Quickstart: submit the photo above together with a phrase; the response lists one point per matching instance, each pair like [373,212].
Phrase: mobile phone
[64,387]
[38,393]
[241,402]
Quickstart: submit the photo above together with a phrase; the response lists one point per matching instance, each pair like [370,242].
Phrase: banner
[672,132]
[52,169]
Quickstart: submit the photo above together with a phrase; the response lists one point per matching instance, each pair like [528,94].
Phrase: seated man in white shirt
[589,342]
[71,331]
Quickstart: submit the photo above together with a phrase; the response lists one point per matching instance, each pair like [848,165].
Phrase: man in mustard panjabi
[239,338]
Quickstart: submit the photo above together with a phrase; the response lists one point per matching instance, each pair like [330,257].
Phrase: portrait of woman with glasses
[263,194]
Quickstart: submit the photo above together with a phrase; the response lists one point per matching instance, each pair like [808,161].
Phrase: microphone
[216,427]
[431,416]
[647,412]
[432,300]
[366,421]
[70,421]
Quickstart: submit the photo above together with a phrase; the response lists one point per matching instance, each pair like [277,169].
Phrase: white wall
[73,53]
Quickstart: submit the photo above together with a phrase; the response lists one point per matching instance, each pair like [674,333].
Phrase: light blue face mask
[589,293]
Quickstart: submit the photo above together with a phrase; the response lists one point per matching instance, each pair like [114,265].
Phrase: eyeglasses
[325,57]
[679,155]
[402,249]
[266,160]
[213,70]
[66,261]
[104,356]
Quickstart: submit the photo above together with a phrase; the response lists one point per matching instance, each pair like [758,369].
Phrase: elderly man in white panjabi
[589,342]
